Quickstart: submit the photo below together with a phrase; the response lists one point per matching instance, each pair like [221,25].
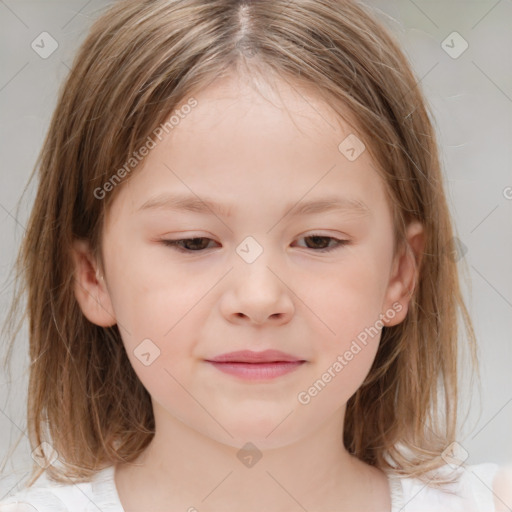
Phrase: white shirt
[472,493]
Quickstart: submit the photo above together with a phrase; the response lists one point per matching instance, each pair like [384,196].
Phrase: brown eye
[321,243]
[188,244]
[318,243]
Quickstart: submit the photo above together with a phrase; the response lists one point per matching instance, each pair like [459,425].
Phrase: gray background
[471,96]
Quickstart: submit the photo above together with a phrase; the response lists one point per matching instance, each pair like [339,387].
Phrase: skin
[256,150]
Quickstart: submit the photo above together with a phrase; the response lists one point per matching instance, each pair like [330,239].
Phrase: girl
[241,282]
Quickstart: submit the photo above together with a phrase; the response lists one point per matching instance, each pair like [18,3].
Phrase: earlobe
[90,289]
[405,273]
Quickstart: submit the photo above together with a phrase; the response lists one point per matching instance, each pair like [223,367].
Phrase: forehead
[255,142]
[265,102]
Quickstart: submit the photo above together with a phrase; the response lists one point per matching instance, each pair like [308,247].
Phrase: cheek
[349,304]
[160,348]
[151,299]
[158,321]
[348,299]
[345,354]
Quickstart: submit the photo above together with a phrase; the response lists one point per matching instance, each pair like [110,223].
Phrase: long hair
[140,61]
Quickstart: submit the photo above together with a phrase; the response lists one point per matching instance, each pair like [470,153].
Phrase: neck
[182,469]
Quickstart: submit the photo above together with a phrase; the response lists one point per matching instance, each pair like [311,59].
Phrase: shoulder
[477,488]
[49,496]
[503,489]
[36,498]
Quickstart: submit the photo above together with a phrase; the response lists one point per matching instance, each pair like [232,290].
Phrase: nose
[257,294]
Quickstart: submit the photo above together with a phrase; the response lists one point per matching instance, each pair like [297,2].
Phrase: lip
[250,365]
[249,356]
[258,371]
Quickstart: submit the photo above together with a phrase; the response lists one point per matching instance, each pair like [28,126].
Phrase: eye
[320,243]
[187,244]
[323,241]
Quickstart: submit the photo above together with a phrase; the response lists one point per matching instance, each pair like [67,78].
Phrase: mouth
[250,365]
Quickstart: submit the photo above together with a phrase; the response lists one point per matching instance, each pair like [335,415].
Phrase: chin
[270,430]
[261,440]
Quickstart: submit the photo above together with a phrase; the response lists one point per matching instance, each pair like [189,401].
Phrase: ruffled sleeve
[48,496]
[473,492]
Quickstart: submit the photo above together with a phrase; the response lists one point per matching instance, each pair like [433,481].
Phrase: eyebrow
[190,203]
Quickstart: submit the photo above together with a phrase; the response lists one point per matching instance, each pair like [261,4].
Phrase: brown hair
[139,60]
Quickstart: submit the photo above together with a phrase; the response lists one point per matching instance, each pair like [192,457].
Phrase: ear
[404,274]
[90,287]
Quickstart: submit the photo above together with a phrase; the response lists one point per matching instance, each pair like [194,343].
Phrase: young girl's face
[255,278]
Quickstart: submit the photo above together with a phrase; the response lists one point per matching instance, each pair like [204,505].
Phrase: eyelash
[174,244]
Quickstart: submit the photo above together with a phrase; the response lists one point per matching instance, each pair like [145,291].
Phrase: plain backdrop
[470,91]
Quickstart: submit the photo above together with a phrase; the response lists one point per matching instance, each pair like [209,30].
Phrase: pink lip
[250,365]
[249,356]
